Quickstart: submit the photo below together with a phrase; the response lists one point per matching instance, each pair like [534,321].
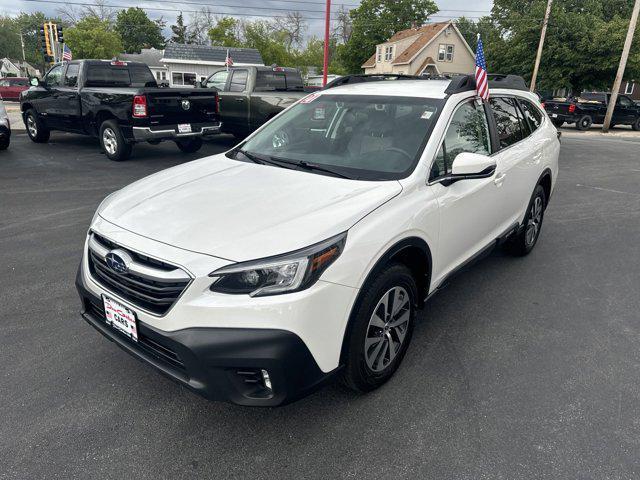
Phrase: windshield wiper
[310,166]
[262,160]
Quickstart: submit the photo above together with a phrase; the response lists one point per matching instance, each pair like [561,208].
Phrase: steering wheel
[397,150]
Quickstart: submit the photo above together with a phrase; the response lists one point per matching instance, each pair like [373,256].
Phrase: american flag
[482,84]
[66,53]
[228,61]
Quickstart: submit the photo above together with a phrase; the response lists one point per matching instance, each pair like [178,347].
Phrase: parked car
[5,128]
[250,96]
[11,87]
[591,108]
[304,253]
[121,104]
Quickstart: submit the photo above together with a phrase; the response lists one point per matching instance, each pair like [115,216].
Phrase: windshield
[361,137]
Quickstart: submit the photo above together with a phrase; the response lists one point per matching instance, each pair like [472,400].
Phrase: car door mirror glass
[34,82]
[472,164]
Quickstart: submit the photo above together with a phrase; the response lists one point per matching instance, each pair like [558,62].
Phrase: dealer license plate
[120,317]
[184,128]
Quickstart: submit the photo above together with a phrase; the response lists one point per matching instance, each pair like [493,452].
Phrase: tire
[4,142]
[190,146]
[112,141]
[153,142]
[584,123]
[524,242]
[558,123]
[369,367]
[36,129]
[636,125]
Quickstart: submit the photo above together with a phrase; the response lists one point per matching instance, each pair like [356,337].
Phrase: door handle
[239,99]
[499,178]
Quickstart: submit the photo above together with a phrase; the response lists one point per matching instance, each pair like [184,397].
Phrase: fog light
[266,380]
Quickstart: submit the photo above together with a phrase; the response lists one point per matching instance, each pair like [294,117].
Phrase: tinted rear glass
[269,81]
[120,76]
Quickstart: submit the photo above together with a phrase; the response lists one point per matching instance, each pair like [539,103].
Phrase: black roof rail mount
[373,77]
[460,84]
[513,82]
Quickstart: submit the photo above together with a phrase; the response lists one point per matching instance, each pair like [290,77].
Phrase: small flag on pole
[482,83]
[67,56]
[228,61]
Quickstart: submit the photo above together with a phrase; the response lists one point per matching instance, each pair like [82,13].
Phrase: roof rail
[375,77]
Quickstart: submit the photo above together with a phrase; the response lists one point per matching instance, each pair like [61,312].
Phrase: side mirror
[34,82]
[469,166]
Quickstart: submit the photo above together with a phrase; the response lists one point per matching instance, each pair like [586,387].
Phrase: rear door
[235,99]
[470,210]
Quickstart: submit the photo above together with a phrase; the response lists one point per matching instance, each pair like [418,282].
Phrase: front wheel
[35,127]
[526,239]
[381,328]
[113,143]
[190,146]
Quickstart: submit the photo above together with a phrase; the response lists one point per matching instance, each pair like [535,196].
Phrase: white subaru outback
[304,253]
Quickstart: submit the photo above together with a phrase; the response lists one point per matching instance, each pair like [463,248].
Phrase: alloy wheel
[535,221]
[110,141]
[31,126]
[387,329]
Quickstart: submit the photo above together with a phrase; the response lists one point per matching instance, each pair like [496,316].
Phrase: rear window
[120,76]
[278,81]
[18,81]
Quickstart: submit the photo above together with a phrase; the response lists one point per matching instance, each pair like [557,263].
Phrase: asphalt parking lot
[523,368]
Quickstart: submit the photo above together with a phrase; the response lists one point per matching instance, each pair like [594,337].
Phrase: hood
[242,211]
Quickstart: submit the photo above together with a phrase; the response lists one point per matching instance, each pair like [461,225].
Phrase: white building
[190,64]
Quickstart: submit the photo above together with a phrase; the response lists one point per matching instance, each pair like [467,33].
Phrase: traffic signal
[59,34]
[45,48]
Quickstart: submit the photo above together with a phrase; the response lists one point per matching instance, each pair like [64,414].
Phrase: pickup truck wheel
[584,123]
[636,125]
[4,142]
[190,146]
[35,127]
[526,239]
[113,143]
[381,329]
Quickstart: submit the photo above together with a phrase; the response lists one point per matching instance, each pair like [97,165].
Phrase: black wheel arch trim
[546,173]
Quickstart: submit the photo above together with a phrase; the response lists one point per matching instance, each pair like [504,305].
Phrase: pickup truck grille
[149,284]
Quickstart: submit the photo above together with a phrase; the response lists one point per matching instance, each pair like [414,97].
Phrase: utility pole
[23,57]
[623,64]
[326,43]
[543,34]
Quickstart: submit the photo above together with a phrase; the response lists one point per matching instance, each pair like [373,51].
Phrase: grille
[149,284]
[154,348]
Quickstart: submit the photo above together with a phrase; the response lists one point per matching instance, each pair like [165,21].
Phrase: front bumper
[166,132]
[223,364]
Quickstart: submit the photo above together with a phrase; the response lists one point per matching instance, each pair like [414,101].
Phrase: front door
[48,106]
[235,101]
[625,111]
[470,210]
[69,99]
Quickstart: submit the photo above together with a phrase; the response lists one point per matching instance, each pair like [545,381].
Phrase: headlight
[290,272]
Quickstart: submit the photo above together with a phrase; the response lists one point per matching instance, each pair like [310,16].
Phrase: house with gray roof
[153,58]
[189,64]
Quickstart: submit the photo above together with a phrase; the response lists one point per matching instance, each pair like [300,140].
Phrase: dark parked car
[121,104]
[590,108]
[12,87]
[5,128]
[250,96]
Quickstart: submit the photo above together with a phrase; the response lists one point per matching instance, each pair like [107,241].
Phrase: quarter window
[238,81]
[508,124]
[467,132]
[532,114]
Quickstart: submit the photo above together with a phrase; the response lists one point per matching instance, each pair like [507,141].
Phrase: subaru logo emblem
[118,261]
[186,104]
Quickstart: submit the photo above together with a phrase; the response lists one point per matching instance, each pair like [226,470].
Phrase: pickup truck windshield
[360,136]
[108,75]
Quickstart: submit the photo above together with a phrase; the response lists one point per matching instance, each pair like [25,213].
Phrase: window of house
[181,78]
[628,89]
[238,81]
[450,49]
[508,122]
[388,53]
[378,54]
[467,132]
[71,75]
[445,52]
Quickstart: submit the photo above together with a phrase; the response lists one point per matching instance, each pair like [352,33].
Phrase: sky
[313,10]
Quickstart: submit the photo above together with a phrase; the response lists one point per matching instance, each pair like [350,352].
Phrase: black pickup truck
[590,108]
[250,96]
[121,104]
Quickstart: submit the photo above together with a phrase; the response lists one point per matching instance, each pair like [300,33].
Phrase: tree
[181,32]
[93,38]
[99,9]
[343,25]
[225,33]
[29,24]
[293,26]
[137,30]
[375,21]
[271,43]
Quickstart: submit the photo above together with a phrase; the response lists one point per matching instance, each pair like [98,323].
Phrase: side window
[218,80]
[625,102]
[238,81]
[71,76]
[467,132]
[510,130]
[532,114]
[270,81]
[54,77]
